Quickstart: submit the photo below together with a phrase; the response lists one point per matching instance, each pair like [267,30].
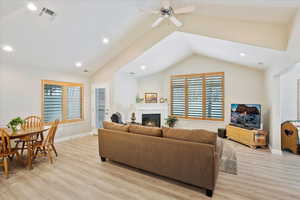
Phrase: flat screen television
[246,115]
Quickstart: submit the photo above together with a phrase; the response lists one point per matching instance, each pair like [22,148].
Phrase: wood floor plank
[79,174]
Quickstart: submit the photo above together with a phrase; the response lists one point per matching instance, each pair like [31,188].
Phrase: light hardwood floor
[78,174]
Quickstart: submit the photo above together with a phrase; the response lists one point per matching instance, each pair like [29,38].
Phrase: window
[198,96]
[62,100]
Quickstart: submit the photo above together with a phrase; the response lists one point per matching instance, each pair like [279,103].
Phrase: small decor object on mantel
[15,124]
[133,118]
[163,100]
[138,99]
[150,97]
[171,121]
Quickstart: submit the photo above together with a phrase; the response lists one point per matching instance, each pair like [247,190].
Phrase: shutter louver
[195,96]
[214,97]
[178,97]
[53,102]
[74,103]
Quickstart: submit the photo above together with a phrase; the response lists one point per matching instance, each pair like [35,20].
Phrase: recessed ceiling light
[143,67]
[78,64]
[31,6]
[242,54]
[105,40]
[7,48]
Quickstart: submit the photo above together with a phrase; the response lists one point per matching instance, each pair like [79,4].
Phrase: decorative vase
[19,127]
[133,118]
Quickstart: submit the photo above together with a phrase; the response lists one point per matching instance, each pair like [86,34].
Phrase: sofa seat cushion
[115,126]
[145,130]
[193,135]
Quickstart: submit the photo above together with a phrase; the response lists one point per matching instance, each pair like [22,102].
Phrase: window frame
[64,85]
[203,75]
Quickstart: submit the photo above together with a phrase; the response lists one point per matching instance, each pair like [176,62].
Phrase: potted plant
[138,99]
[15,124]
[171,121]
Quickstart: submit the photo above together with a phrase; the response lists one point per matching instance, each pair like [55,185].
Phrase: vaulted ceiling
[76,33]
[179,45]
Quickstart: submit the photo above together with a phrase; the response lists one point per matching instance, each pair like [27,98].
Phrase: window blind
[198,96]
[53,102]
[74,103]
[214,96]
[195,96]
[178,97]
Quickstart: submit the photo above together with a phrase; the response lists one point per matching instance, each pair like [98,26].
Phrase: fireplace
[151,120]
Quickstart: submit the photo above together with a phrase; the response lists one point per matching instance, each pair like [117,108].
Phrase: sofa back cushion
[145,130]
[195,135]
[115,126]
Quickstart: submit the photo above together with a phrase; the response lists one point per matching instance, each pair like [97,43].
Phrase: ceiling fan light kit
[167,11]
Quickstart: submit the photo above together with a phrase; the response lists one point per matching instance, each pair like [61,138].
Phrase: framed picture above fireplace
[150,97]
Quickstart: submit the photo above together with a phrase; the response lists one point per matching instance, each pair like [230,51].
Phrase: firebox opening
[151,120]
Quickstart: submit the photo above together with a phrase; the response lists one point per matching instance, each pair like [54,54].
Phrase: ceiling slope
[77,31]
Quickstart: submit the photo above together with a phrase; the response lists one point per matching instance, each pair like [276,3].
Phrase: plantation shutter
[53,102]
[199,96]
[74,102]
[178,96]
[195,96]
[214,85]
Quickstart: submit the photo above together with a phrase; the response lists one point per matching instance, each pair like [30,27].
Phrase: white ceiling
[76,33]
[178,46]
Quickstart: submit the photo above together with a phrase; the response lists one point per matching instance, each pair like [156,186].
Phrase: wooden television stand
[252,138]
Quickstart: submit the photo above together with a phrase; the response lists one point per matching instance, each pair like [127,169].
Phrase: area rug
[228,160]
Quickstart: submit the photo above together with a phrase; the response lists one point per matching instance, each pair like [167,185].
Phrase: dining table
[27,135]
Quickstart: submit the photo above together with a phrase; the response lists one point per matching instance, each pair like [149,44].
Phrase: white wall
[242,85]
[124,95]
[289,94]
[20,95]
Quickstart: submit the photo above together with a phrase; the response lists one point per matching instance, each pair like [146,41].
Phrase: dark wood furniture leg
[209,193]
[103,159]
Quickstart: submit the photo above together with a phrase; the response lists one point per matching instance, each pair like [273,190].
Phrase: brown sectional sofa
[190,156]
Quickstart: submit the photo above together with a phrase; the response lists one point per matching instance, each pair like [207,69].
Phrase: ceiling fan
[167,11]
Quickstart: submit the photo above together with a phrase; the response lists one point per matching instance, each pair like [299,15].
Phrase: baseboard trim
[275,151]
[58,140]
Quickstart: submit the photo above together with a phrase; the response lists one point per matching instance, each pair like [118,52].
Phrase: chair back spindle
[32,122]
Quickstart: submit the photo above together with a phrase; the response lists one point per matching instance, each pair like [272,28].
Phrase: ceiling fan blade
[157,22]
[150,11]
[175,21]
[165,4]
[184,10]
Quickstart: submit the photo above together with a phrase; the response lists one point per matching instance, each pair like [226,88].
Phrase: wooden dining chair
[31,122]
[6,151]
[46,147]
